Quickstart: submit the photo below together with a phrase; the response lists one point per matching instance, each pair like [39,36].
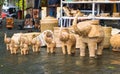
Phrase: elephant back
[96,31]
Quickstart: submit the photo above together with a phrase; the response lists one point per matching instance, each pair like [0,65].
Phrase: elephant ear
[96,31]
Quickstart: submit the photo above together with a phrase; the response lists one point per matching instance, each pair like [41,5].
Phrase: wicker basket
[105,14]
[107,31]
[48,23]
[117,14]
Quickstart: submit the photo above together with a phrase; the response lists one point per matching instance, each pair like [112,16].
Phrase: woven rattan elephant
[91,35]
[115,42]
[50,42]
[68,41]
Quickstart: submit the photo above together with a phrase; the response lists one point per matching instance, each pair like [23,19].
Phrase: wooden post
[114,8]
[1,4]
[23,9]
[0,8]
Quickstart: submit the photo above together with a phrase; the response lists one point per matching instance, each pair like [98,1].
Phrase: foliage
[20,4]
[43,2]
[1,2]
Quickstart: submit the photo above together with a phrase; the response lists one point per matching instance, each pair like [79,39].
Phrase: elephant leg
[33,47]
[27,51]
[63,49]
[92,48]
[15,51]
[51,49]
[24,51]
[21,52]
[69,49]
[100,48]
[12,51]
[7,45]
[82,49]
[48,50]
[36,50]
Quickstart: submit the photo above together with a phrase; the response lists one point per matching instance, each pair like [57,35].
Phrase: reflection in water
[43,63]
[115,61]
[22,59]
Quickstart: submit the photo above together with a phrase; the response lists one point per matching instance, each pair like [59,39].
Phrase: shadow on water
[43,63]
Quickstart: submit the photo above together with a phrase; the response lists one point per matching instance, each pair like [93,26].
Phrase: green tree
[20,4]
[44,2]
[1,4]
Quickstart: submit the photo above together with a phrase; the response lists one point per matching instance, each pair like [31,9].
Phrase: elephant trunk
[74,24]
[75,19]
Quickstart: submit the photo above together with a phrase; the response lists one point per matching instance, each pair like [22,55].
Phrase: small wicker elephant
[13,47]
[68,41]
[25,49]
[115,42]
[50,42]
[36,44]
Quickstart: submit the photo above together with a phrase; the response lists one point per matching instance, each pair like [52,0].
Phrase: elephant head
[64,35]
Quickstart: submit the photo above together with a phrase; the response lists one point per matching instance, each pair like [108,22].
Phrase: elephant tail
[5,37]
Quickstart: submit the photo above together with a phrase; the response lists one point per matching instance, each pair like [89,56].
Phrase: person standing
[52,6]
[37,9]
[37,13]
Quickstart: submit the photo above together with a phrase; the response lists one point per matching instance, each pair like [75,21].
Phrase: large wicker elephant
[91,35]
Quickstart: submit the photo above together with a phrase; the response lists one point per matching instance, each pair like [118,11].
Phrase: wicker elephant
[91,35]
[50,42]
[68,41]
[115,42]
